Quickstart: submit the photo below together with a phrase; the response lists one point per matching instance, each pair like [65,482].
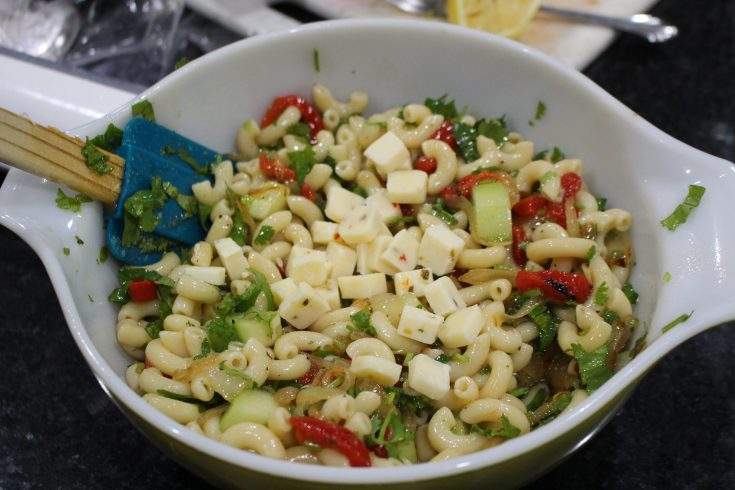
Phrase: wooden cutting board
[575,45]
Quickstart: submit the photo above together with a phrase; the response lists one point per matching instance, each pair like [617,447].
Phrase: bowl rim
[114,385]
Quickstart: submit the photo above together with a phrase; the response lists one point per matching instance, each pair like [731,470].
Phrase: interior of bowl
[636,167]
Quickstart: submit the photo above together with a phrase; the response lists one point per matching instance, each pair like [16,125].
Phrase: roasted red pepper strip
[331,436]
[309,114]
[142,290]
[449,194]
[308,192]
[425,164]
[466,184]
[445,133]
[309,376]
[273,169]
[519,236]
[571,183]
[555,212]
[529,206]
[557,285]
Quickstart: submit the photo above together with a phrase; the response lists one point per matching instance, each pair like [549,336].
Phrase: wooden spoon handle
[50,153]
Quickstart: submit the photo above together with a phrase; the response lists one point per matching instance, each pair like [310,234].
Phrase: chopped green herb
[547,177]
[601,203]
[360,191]
[407,359]
[103,255]
[413,403]
[591,252]
[506,429]
[203,406]
[493,128]
[66,251]
[144,109]
[441,106]
[557,155]
[630,293]
[460,358]
[609,316]
[95,159]
[69,203]
[466,137]
[667,276]
[301,162]
[602,294]
[520,392]
[439,209]
[315,59]
[360,322]
[681,213]
[181,62]
[188,203]
[235,373]
[549,410]
[443,358]
[390,431]
[676,321]
[126,275]
[400,222]
[90,298]
[593,366]
[186,157]
[153,329]
[540,111]
[259,280]
[300,129]
[239,231]
[205,350]
[220,333]
[110,140]
[79,240]
[547,324]
[540,394]
[264,235]
[516,301]
[142,212]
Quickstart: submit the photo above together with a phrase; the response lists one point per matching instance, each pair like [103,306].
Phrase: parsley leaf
[593,368]
[360,322]
[466,137]
[681,213]
[540,110]
[103,255]
[95,159]
[601,203]
[220,333]
[66,251]
[264,235]
[442,106]
[360,191]
[439,209]
[110,140]
[630,293]
[181,62]
[549,410]
[259,280]
[547,324]
[390,432]
[676,321]
[667,276]
[203,406]
[493,128]
[142,211]
[188,203]
[153,329]
[412,403]
[591,253]
[144,109]
[79,240]
[506,429]
[315,59]
[239,230]
[554,155]
[185,156]
[300,129]
[601,295]
[301,162]
[69,203]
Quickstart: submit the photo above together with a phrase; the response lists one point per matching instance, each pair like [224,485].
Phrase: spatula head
[151,151]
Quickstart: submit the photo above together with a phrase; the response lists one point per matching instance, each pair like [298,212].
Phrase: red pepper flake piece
[519,236]
[309,114]
[529,206]
[332,436]
[571,183]
[556,285]
[142,290]
[274,169]
[309,376]
[555,212]
[445,133]
[308,192]
[466,184]
[425,164]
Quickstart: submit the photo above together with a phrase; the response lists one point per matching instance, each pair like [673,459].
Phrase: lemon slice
[505,17]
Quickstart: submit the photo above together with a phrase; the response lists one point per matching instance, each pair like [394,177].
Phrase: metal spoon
[651,28]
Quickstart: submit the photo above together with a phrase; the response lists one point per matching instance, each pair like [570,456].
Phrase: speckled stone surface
[59,430]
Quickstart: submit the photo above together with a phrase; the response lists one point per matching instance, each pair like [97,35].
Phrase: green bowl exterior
[507,474]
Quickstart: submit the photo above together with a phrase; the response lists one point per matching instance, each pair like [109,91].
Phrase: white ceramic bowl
[626,159]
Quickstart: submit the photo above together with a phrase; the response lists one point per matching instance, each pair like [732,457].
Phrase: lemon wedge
[505,17]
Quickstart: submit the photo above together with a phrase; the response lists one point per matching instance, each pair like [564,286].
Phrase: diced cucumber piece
[249,406]
[263,326]
[263,203]
[405,451]
[491,223]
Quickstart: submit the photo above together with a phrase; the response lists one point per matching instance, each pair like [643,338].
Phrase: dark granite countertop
[58,429]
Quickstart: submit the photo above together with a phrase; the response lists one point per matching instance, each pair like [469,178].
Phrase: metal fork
[651,28]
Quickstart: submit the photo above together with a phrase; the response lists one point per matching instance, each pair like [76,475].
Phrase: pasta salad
[381,290]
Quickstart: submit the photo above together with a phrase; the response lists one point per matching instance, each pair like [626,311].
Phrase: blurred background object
[42,29]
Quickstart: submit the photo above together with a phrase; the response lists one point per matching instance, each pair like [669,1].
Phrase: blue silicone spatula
[148,150]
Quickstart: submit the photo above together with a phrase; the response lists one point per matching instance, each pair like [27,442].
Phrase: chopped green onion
[676,321]
[681,213]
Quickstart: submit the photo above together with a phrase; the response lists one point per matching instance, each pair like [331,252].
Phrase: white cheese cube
[414,281]
[419,324]
[302,308]
[375,250]
[386,209]
[384,230]
[402,251]
[363,253]
[428,377]
[307,265]
[232,257]
[340,201]
[283,289]
[388,153]
[330,293]
[407,186]
[461,327]
[353,287]
[211,275]
[439,249]
[342,258]
[323,232]
[360,225]
[379,369]
[443,296]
